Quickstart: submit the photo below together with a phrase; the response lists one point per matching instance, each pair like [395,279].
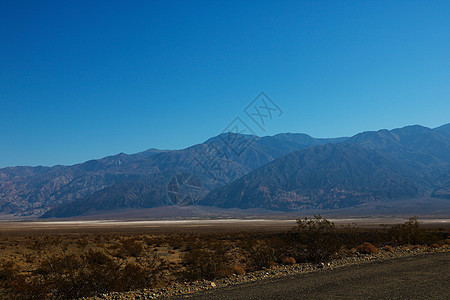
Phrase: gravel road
[417,277]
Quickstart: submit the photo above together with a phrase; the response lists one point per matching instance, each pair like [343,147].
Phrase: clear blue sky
[86,79]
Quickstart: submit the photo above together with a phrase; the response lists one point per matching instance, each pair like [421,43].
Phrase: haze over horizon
[81,81]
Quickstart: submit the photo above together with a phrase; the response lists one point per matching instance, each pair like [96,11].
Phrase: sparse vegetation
[287,260]
[388,248]
[318,239]
[367,248]
[67,266]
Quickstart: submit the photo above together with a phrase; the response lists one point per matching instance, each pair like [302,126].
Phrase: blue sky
[82,80]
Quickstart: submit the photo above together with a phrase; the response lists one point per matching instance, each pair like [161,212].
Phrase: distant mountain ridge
[328,176]
[35,190]
[371,166]
[282,172]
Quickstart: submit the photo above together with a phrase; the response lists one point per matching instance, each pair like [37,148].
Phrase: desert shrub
[230,271]
[367,248]
[260,255]
[204,264]
[177,242]
[237,269]
[288,260]
[72,276]
[7,272]
[69,276]
[141,274]
[407,233]
[130,247]
[96,257]
[317,238]
[25,287]
[388,248]
[82,243]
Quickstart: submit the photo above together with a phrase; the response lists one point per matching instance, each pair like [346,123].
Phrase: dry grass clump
[287,260]
[130,247]
[352,250]
[230,271]
[367,248]
[388,248]
[237,269]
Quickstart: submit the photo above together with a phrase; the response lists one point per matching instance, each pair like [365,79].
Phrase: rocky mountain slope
[282,172]
[329,176]
[142,179]
[371,166]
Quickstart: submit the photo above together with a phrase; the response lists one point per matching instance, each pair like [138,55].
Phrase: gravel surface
[279,271]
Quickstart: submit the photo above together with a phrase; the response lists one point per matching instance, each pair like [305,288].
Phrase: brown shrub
[7,272]
[230,271]
[224,273]
[68,276]
[343,252]
[287,260]
[130,247]
[204,264]
[22,287]
[82,243]
[173,263]
[260,256]
[317,239]
[388,248]
[237,269]
[367,248]
[408,233]
[435,246]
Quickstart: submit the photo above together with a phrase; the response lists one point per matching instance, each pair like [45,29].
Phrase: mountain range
[285,172]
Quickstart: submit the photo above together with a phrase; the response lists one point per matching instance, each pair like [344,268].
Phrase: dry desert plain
[62,259]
